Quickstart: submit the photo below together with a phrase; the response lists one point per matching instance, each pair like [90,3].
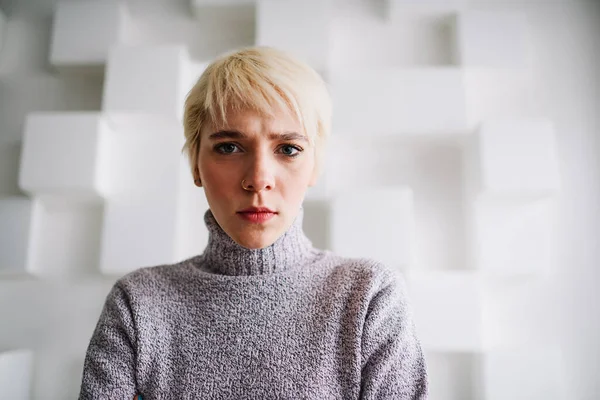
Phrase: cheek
[217,179]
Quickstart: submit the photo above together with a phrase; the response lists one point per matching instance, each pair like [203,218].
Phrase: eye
[221,146]
[291,148]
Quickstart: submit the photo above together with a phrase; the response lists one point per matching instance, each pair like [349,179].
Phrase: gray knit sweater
[288,321]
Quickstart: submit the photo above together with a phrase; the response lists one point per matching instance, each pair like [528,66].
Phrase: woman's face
[276,161]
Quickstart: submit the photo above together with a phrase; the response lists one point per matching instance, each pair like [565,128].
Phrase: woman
[261,313]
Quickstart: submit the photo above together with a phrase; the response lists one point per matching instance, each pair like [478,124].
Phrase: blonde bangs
[242,83]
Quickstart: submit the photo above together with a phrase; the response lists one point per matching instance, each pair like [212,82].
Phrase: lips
[263,215]
[257,210]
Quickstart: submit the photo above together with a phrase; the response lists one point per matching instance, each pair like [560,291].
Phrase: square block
[83,32]
[138,233]
[15,214]
[521,313]
[141,214]
[492,39]
[398,9]
[453,376]
[191,233]
[517,156]
[533,372]
[16,373]
[448,310]
[408,101]
[65,237]
[515,238]
[2,30]
[302,28]
[62,155]
[146,85]
[412,38]
[375,223]
[231,11]
[497,93]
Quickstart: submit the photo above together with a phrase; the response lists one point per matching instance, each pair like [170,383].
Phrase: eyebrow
[233,134]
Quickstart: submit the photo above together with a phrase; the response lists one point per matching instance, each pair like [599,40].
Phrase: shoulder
[154,279]
[367,274]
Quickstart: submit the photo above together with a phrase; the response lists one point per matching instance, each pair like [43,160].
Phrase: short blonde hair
[260,78]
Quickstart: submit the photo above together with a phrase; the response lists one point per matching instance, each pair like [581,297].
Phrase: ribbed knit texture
[289,321]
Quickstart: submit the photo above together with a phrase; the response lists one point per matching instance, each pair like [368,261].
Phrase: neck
[224,256]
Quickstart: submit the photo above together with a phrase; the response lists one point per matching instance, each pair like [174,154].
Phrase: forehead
[247,123]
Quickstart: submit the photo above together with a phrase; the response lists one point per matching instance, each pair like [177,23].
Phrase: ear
[197,180]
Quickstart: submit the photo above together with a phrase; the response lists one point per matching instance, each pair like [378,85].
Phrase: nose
[260,173]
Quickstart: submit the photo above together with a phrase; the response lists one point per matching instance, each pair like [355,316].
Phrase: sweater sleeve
[393,364]
[109,366]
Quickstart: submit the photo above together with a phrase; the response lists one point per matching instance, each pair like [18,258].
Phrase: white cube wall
[399,8]
[62,155]
[146,86]
[302,28]
[150,195]
[377,223]
[16,371]
[517,156]
[140,217]
[399,101]
[448,310]
[492,39]
[15,214]
[515,238]
[2,30]
[64,239]
[452,375]
[191,233]
[83,32]
[533,373]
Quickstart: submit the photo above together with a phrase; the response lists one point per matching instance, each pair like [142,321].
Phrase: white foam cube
[400,8]
[515,238]
[2,30]
[517,156]
[522,312]
[532,372]
[84,31]
[451,375]
[448,310]
[62,154]
[146,85]
[141,215]
[65,236]
[300,27]
[16,372]
[377,223]
[191,233]
[498,93]
[15,214]
[492,39]
[399,101]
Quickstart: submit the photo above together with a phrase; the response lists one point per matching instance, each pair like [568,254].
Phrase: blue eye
[299,150]
[223,145]
[224,148]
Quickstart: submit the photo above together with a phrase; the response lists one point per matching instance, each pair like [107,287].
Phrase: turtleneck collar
[224,256]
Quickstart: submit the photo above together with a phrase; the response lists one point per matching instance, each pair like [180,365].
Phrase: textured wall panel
[84,31]
[399,101]
[15,214]
[62,155]
[376,223]
[15,374]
